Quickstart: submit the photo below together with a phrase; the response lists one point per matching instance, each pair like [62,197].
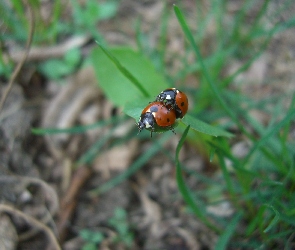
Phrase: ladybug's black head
[167,97]
[140,126]
[146,121]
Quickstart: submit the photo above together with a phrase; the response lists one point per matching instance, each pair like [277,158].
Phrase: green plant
[92,238]
[84,20]
[120,223]
[259,186]
[57,68]
[86,16]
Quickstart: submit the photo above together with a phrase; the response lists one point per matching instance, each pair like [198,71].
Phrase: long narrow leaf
[203,127]
[223,240]
[184,190]
[190,37]
[290,115]
[275,219]
[74,130]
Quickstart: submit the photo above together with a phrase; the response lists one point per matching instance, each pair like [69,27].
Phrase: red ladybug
[174,99]
[157,118]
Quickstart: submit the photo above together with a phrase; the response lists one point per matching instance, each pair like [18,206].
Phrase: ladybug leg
[153,130]
[172,107]
[173,131]
[163,105]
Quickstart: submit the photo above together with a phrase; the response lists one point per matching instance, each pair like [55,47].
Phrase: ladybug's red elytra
[156,117]
[174,99]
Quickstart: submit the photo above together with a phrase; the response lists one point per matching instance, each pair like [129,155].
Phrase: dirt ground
[45,199]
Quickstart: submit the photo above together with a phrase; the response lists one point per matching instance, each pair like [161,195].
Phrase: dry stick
[47,52]
[21,63]
[69,200]
[14,212]
[47,190]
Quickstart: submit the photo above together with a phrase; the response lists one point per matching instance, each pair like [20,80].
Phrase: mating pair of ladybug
[161,115]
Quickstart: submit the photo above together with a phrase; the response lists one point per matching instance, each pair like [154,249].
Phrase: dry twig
[22,61]
[69,202]
[33,222]
[44,53]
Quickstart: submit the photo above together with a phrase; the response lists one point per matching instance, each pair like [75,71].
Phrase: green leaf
[55,68]
[89,246]
[274,221]
[73,56]
[91,236]
[107,10]
[203,127]
[124,70]
[205,70]
[185,191]
[76,129]
[116,81]
[134,108]
[229,231]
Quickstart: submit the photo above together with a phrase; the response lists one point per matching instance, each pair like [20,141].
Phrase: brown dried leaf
[117,158]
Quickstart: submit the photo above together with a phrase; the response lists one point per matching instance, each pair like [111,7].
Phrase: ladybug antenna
[140,126]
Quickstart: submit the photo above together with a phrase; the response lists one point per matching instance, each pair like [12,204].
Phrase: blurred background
[75,173]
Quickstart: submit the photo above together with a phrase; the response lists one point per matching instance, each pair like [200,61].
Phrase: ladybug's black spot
[182,104]
[154,109]
[168,120]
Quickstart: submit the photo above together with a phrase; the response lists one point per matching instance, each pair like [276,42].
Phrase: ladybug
[157,118]
[174,99]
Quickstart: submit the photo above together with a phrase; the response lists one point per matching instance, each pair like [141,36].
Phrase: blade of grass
[56,15]
[274,220]
[143,159]
[228,180]
[184,190]
[258,17]
[124,71]
[162,44]
[269,34]
[18,9]
[224,239]
[255,222]
[74,130]
[240,18]
[94,150]
[212,85]
[289,116]
[203,127]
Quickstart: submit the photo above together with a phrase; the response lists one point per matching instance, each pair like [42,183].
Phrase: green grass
[122,232]
[259,186]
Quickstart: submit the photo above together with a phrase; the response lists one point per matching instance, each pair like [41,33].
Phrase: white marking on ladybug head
[168,97]
[147,125]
